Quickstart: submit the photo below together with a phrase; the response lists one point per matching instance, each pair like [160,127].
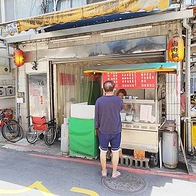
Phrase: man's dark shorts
[113,139]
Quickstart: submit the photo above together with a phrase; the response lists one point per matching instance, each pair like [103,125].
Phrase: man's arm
[96,117]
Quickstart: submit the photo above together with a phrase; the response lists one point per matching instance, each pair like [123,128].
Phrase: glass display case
[135,110]
[140,125]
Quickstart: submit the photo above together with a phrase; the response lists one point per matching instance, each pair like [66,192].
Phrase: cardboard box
[83,111]
[139,154]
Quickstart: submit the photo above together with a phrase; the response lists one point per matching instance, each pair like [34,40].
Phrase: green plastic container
[82,138]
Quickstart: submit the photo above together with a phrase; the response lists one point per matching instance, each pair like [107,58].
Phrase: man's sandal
[103,174]
[117,175]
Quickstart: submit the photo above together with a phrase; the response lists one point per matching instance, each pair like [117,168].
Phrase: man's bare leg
[115,160]
[103,162]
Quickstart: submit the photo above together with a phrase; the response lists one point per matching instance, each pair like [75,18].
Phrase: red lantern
[176,49]
[18,57]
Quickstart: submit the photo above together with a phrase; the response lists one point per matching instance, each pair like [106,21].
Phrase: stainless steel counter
[140,136]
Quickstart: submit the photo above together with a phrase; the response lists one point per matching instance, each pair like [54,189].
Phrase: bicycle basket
[8,113]
[39,123]
[5,114]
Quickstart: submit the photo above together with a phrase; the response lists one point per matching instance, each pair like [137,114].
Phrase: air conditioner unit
[2,91]
[10,91]
[4,70]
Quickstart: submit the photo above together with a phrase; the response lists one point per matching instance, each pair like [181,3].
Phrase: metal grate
[128,183]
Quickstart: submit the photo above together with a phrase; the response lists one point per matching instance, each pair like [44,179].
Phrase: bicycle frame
[40,125]
[11,130]
[3,120]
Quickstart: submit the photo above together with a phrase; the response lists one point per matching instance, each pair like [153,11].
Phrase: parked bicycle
[39,126]
[10,129]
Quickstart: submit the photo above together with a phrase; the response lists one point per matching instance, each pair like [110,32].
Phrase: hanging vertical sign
[41,95]
[176,49]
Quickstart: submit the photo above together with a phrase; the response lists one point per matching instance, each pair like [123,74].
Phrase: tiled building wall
[23,107]
[23,87]
[173,98]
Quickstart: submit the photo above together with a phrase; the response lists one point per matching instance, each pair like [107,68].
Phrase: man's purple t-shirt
[107,114]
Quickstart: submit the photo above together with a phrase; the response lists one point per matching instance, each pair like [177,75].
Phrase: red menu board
[134,80]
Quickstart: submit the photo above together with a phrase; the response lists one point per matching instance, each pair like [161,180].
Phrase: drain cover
[125,183]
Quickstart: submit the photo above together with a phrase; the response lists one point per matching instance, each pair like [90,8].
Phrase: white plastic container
[64,136]
[123,116]
[82,110]
[129,118]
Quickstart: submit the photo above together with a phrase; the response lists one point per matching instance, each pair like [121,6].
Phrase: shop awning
[81,13]
[98,20]
[147,67]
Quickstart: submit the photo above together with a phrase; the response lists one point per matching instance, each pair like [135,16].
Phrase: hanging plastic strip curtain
[82,13]
[72,87]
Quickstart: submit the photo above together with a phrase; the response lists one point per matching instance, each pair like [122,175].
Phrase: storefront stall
[143,106]
[64,55]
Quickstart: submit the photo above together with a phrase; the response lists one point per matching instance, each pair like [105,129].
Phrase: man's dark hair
[108,86]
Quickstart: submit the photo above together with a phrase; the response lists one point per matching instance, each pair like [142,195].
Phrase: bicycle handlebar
[4,110]
[52,121]
[2,113]
[32,116]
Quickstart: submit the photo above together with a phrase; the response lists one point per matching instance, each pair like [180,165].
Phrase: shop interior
[147,100]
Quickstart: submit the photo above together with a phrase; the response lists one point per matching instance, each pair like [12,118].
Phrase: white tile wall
[173,98]
[22,87]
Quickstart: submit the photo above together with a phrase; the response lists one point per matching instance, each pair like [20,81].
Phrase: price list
[130,80]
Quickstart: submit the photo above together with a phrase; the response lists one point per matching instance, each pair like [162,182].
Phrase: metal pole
[16,88]
[187,85]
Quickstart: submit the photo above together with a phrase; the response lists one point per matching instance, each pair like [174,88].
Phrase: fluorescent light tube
[126,31]
[69,39]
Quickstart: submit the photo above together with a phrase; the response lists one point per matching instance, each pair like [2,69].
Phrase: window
[94,1]
[76,3]
[66,4]
[63,4]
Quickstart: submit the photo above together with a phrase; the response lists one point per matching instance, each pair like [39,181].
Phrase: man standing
[109,126]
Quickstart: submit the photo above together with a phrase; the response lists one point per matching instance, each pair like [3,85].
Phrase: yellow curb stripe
[85,191]
[38,185]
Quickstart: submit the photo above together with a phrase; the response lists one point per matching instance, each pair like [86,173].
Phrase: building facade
[66,48]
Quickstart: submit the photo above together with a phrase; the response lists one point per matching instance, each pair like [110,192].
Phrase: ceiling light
[126,31]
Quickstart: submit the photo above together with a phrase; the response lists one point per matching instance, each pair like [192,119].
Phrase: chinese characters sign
[176,49]
[136,80]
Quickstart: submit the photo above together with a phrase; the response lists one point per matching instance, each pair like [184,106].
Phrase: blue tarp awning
[98,20]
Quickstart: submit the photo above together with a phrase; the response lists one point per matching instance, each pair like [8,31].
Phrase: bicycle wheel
[58,132]
[12,131]
[50,135]
[31,135]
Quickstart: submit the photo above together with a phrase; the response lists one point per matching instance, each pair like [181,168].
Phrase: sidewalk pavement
[55,150]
